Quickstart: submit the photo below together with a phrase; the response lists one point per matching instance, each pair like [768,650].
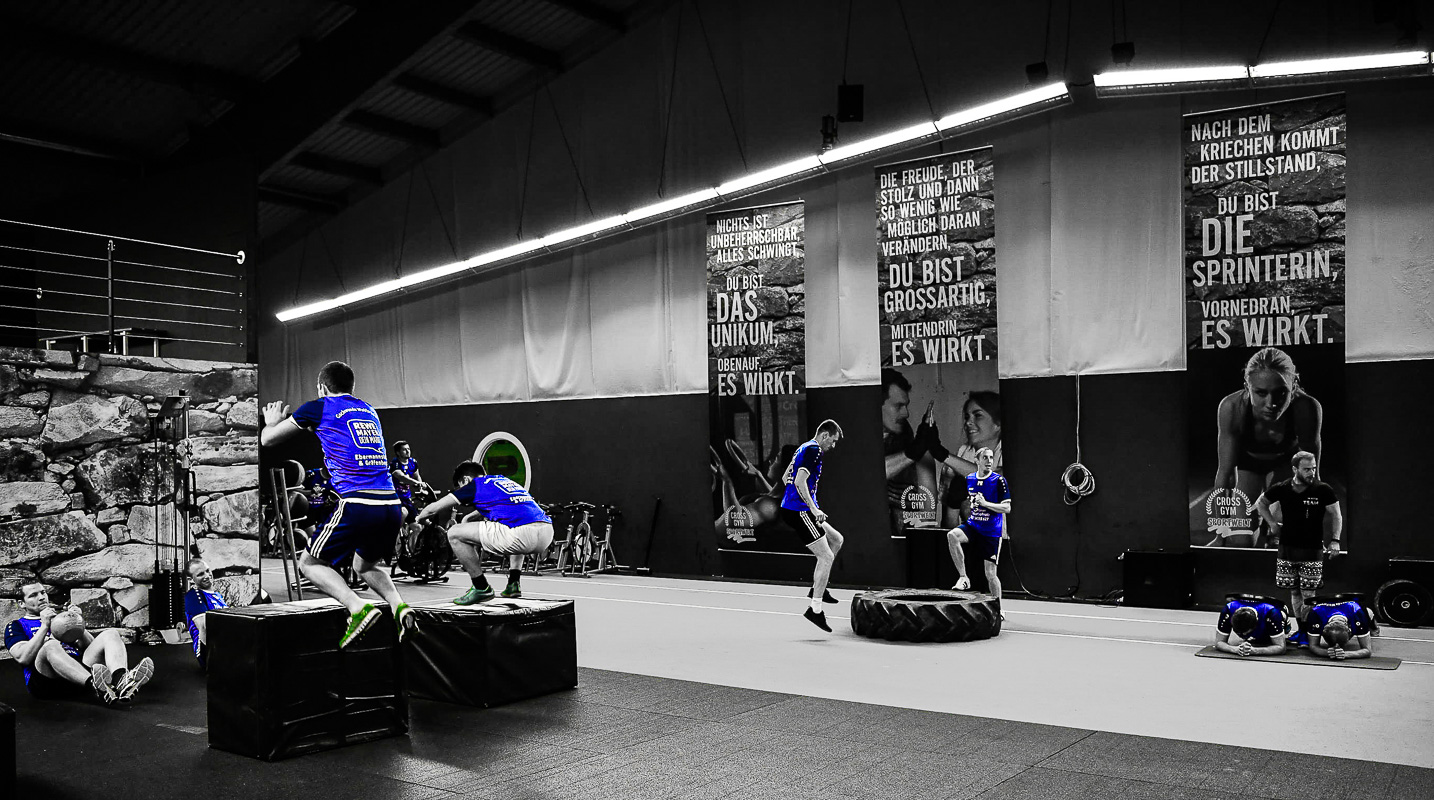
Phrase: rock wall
[80,495]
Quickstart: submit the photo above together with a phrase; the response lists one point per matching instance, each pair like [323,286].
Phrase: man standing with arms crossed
[366,521]
[987,501]
[1307,524]
[801,512]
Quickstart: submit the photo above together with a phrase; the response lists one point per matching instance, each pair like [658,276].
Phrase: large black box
[7,751]
[1159,578]
[493,653]
[280,687]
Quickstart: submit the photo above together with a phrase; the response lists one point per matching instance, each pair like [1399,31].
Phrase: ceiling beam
[594,13]
[392,128]
[327,80]
[193,78]
[22,133]
[338,167]
[444,94]
[506,44]
[293,198]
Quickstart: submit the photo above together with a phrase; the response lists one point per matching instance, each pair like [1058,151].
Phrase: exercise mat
[1305,657]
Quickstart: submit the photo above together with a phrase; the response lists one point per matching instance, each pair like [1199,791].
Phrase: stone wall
[79,496]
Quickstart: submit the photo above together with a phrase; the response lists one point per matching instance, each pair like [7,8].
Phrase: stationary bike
[422,551]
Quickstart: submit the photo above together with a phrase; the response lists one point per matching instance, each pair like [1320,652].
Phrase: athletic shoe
[358,623]
[1299,639]
[137,676]
[512,590]
[407,622]
[100,682]
[818,618]
[826,596]
[962,584]
[474,595]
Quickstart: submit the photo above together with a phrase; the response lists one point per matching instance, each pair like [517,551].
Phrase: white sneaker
[962,584]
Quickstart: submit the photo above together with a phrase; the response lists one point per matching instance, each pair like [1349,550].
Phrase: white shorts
[501,540]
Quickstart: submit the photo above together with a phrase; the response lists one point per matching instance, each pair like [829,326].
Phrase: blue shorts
[986,546]
[363,523]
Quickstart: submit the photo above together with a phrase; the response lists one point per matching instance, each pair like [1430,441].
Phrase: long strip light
[1167,81]
[1014,107]
[1382,65]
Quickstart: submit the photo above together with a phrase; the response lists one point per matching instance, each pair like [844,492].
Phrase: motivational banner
[936,278]
[756,367]
[1264,308]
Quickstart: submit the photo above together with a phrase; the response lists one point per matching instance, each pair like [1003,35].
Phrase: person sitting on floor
[1331,625]
[1251,626]
[198,602]
[61,659]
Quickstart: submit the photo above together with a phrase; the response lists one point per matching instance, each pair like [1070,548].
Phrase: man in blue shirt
[61,658]
[511,524]
[987,502]
[1331,625]
[199,601]
[406,477]
[1251,626]
[801,511]
[365,523]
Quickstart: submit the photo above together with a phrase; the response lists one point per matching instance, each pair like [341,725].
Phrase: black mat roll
[1305,657]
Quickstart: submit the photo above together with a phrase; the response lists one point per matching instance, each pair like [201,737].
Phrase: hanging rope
[438,209]
[527,164]
[721,88]
[577,173]
[671,93]
[1077,479]
[901,6]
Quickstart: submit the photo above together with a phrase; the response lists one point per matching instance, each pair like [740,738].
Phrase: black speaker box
[493,653]
[279,686]
[851,103]
[1158,578]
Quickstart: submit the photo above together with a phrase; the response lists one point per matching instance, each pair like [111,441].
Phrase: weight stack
[166,599]
[280,687]
[1158,578]
[493,653]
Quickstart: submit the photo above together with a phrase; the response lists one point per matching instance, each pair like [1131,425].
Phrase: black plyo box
[493,653]
[1158,578]
[280,687]
[7,751]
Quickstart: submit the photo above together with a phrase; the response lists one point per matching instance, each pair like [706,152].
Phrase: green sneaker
[512,590]
[474,595]
[358,623]
[407,622]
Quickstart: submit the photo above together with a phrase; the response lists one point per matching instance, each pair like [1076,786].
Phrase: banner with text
[756,367]
[936,279]
[1264,308]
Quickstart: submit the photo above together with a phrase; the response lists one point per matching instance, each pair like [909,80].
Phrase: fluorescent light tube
[881,142]
[1006,105]
[1318,66]
[666,206]
[776,173]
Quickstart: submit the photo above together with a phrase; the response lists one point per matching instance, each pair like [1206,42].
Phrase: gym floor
[694,689]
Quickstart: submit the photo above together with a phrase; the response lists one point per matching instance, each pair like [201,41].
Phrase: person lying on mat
[512,525]
[1331,627]
[61,659]
[1250,628]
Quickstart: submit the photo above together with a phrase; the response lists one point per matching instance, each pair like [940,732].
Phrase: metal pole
[110,286]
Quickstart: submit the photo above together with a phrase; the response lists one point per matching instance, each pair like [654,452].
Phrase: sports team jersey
[196,602]
[1270,624]
[23,630]
[1302,514]
[1320,613]
[410,468]
[993,488]
[502,500]
[352,439]
[808,457]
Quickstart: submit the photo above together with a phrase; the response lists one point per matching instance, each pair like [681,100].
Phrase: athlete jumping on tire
[987,502]
[801,512]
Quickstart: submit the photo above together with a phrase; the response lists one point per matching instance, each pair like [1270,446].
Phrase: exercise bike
[583,552]
[422,552]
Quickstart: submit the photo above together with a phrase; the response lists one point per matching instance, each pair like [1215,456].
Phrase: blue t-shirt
[23,630]
[502,500]
[196,602]
[1319,615]
[992,487]
[409,468]
[1270,624]
[352,439]
[808,457]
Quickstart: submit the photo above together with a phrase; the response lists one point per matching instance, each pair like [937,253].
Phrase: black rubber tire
[1404,604]
[926,615]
